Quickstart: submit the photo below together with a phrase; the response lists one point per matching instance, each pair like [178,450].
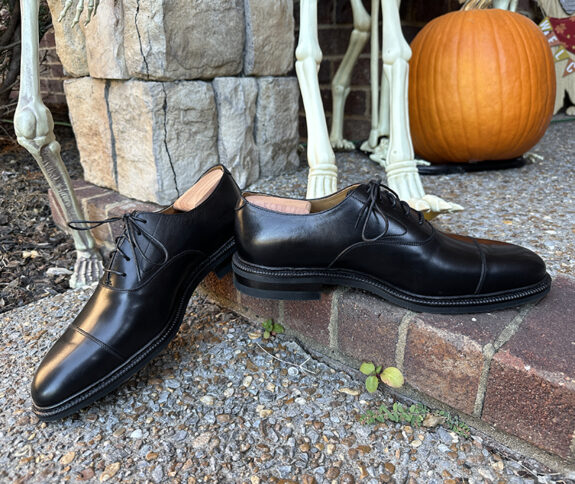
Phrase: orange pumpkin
[481,86]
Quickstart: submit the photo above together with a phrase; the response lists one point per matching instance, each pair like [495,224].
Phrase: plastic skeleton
[35,131]
[391,118]
[381,129]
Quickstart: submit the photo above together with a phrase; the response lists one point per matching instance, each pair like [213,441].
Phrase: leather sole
[307,283]
[218,262]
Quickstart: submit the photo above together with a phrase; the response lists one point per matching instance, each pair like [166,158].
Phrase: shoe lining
[296,206]
[284,205]
[199,192]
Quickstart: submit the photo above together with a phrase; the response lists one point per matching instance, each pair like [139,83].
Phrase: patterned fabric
[560,33]
[564,29]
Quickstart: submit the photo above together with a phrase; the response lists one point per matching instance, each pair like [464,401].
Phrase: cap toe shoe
[140,301]
[365,237]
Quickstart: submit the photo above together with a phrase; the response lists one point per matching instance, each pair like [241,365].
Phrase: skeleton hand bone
[90,11]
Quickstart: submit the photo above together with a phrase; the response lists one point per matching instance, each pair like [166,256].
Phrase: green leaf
[378,370]
[278,328]
[393,377]
[268,325]
[267,335]
[371,383]
[367,368]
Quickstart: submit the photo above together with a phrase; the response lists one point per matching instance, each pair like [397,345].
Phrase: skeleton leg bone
[342,79]
[400,164]
[322,178]
[35,132]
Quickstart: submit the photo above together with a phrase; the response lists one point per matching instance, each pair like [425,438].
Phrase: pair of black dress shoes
[362,236]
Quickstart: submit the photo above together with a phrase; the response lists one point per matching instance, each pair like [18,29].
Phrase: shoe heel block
[223,269]
[221,263]
[257,281]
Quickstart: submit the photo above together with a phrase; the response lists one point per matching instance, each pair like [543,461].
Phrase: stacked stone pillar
[159,91]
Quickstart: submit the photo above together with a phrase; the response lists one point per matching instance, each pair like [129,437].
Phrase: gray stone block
[270,39]
[277,133]
[105,42]
[183,40]
[236,104]
[165,136]
[87,105]
[70,42]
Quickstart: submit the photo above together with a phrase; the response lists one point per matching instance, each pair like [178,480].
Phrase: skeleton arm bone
[400,165]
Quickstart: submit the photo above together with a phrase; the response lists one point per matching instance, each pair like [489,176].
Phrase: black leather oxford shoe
[140,301]
[365,237]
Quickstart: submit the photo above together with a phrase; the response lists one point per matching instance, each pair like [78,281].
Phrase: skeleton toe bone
[341,144]
[87,269]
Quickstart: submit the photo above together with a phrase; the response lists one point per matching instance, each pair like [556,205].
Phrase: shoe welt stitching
[540,287]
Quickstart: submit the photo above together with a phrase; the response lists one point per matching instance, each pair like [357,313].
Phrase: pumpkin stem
[475,4]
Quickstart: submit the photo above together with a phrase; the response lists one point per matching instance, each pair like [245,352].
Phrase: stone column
[164,90]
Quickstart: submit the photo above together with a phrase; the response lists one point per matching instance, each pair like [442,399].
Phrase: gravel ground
[35,255]
[216,406]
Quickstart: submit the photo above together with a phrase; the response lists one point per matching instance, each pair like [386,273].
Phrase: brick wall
[51,74]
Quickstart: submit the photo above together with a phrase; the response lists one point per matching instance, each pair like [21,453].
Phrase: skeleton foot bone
[341,144]
[90,11]
[87,269]
[404,179]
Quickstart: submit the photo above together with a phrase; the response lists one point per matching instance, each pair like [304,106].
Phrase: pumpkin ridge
[497,134]
[531,114]
[431,108]
[450,98]
[462,98]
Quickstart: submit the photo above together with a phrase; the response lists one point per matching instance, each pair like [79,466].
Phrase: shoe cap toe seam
[100,343]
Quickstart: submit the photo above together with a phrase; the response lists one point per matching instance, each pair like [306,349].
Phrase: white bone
[34,129]
[342,79]
[322,178]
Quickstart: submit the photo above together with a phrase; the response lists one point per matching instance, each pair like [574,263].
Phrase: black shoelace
[376,192]
[131,230]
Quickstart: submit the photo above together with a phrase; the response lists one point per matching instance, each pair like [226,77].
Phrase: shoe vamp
[73,364]
[442,266]
[130,320]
